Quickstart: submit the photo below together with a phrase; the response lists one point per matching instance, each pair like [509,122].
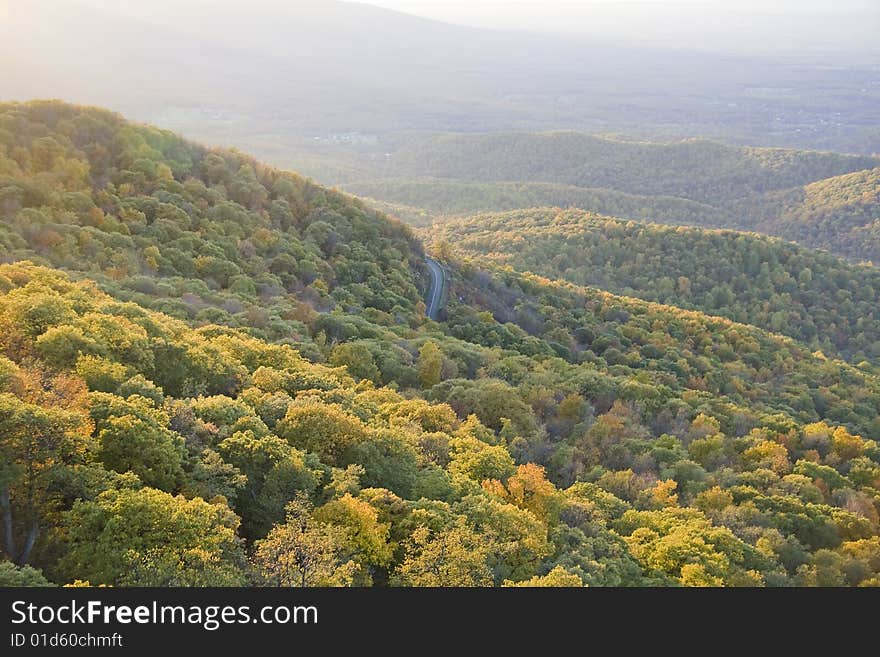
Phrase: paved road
[438,287]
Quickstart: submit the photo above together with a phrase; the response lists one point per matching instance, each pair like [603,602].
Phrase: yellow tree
[451,557]
[430,364]
[367,538]
[43,427]
[325,429]
[304,552]
[529,489]
[559,577]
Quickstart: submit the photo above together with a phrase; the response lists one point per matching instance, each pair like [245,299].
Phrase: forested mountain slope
[440,198]
[695,169]
[127,482]
[200,234]
[813,297]
[544,434]
[672,350]
[819,199]
[841,214]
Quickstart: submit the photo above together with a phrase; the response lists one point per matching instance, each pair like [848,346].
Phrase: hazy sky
[735,25]
[568,13]
[743,26]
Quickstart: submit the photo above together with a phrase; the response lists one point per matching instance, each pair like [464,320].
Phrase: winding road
[437,289]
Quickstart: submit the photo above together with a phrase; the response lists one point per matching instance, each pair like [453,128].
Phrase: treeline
[813,297]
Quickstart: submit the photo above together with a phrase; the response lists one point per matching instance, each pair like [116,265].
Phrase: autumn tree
[516,538]
[304,552]
[430,364]
[147,537]
[529,489]
[325,429]
[556,578]
[40,434]
[367,537]
[456,556]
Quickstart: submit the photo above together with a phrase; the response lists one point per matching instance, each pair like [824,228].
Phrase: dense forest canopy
[696,169]
[840,214]
[425,201]
[215,373]
[814,297]
[198,234]
[820,199]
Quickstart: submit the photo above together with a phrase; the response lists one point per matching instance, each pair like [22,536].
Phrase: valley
[208,362]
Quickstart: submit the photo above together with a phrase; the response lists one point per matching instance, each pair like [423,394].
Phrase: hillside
[422,202]
[677,352]
[698,170]
[543,434]
[205,235]
[813,297]
[131,483]
[819,199]
[841,214]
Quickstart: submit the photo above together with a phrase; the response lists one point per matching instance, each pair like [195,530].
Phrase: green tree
[430,364]
[389,460]
[147,537]
[212,477]
[357,359]
[456,556]
[325,429]
[275,473]
[153,453]
[518,540]
[303,552]
[12,576]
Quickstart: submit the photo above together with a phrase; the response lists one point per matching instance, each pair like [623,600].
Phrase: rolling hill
[695,169]
[813,297]
[820,199]
[424,201]
[840,214]
[203,235]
